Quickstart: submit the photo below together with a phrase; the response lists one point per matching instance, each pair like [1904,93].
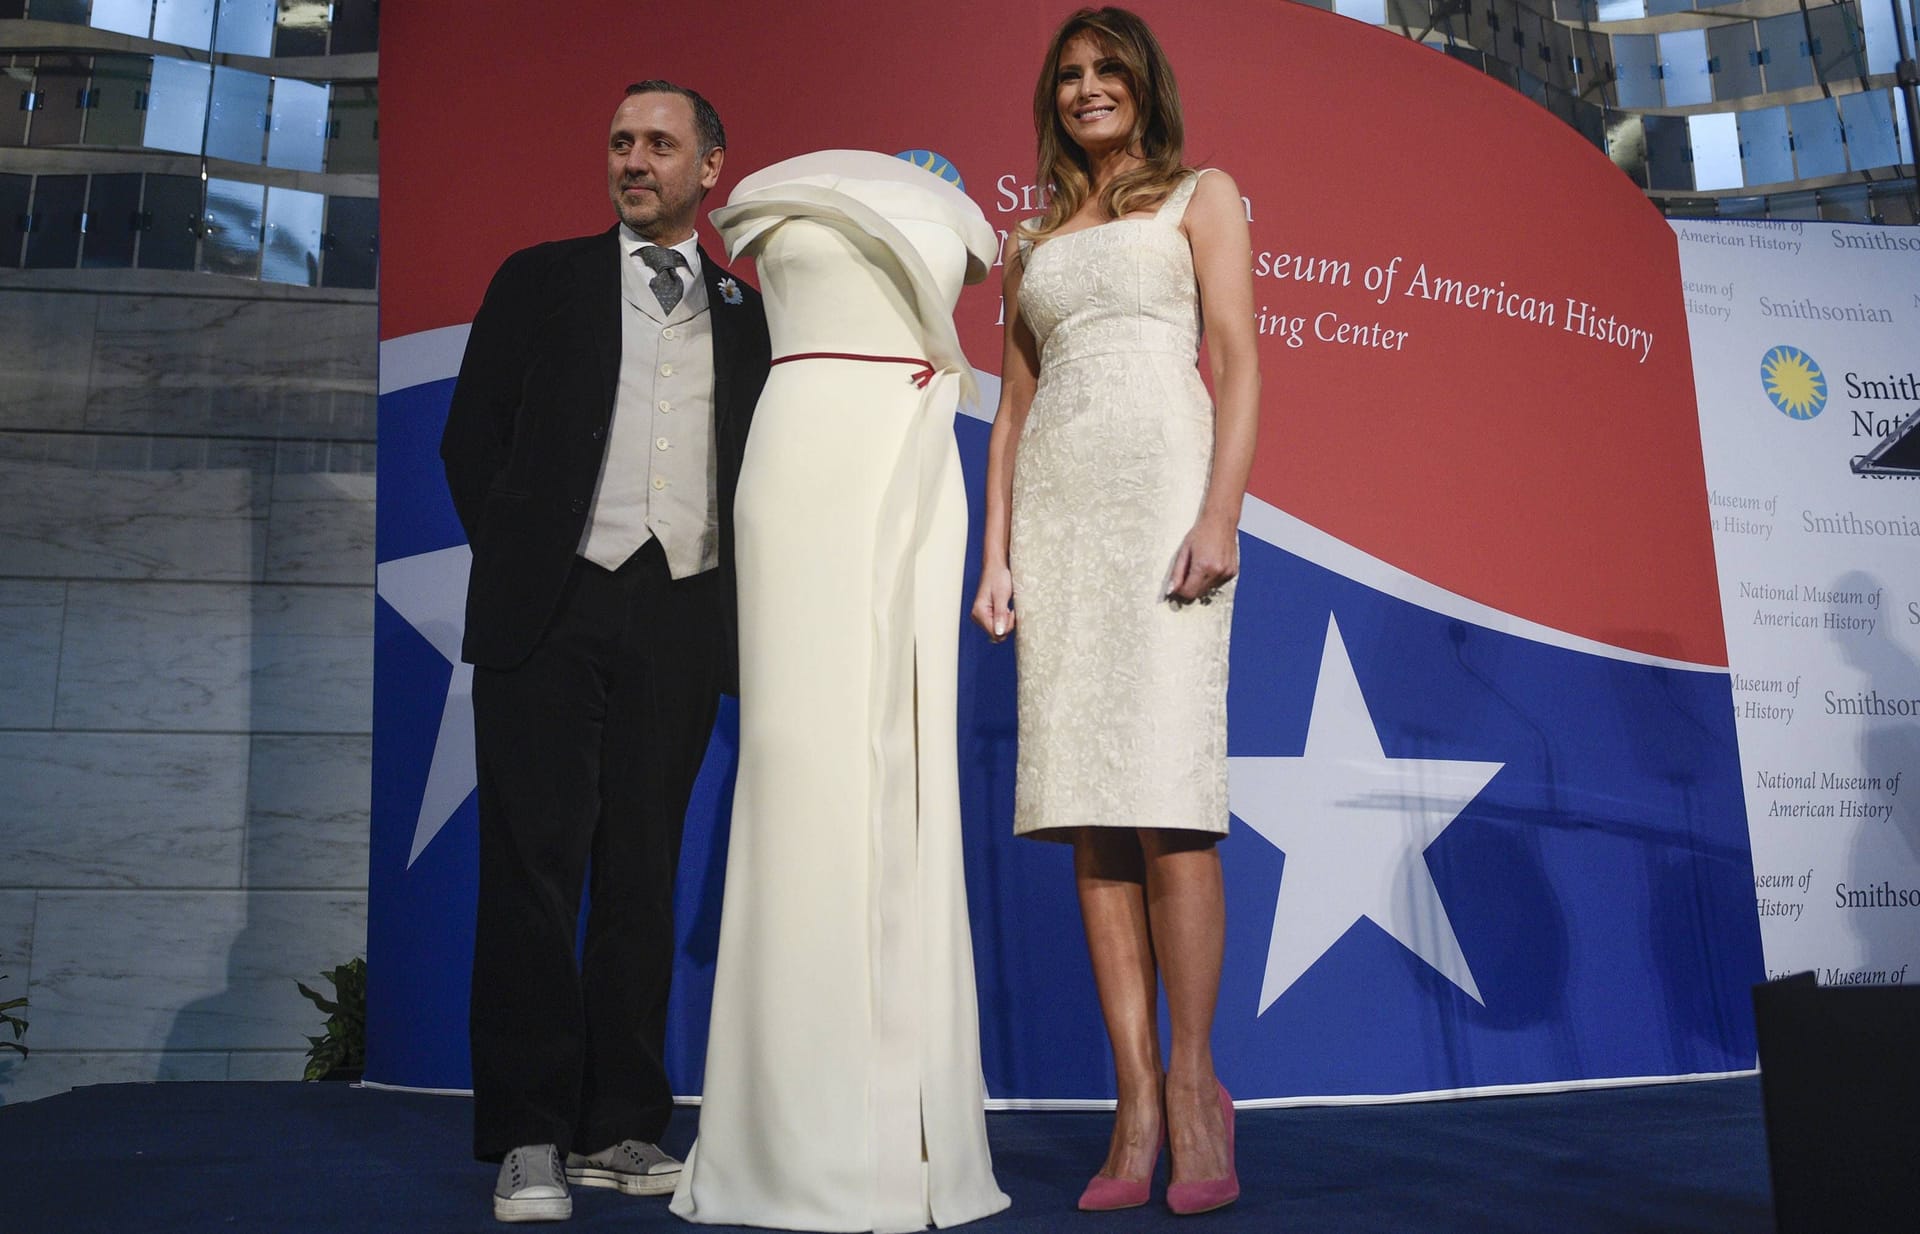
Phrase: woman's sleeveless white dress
[843,1086]
[1122,694]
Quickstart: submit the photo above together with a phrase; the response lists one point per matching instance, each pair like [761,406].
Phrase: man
[592,448]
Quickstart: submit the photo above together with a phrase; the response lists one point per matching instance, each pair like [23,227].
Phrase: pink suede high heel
[1106,1195]
[1207,1194]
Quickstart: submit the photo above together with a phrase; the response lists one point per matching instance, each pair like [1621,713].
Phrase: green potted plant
[340,1053]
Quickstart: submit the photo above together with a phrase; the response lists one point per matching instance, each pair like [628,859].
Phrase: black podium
[1840,1080]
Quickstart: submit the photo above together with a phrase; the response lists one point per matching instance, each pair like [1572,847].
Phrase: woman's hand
[1216,224]
[1208,557]
[993,603]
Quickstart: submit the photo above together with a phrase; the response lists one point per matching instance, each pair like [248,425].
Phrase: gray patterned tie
[665,264]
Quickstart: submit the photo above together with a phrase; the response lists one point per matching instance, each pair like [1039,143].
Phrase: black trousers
[587,755]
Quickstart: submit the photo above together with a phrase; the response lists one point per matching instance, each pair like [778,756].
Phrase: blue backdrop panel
[1600,884]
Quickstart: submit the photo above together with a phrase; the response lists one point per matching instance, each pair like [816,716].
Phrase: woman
[1113,495]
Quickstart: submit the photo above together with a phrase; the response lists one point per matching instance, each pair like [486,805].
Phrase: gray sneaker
[531,1186]
[632,1167]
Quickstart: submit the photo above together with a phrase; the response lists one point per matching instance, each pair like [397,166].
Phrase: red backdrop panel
[1520,463]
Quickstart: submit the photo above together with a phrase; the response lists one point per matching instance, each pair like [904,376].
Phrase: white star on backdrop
[1355,826]
[429,591]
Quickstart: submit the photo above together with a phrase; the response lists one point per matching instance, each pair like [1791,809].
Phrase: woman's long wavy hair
[1158,136]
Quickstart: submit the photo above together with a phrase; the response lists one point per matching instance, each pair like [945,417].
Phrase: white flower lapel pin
[730,292]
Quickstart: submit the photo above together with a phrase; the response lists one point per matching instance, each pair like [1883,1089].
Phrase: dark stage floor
[167,1158]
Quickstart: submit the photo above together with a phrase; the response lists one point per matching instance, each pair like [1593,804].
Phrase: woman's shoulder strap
[1175,206]
[1022,240]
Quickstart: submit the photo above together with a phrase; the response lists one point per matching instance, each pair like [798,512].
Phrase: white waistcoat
[658,478]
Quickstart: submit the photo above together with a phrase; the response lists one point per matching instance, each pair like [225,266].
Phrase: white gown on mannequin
[843,1086]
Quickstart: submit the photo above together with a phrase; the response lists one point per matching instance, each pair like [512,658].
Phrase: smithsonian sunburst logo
[1794,383]
[939,164]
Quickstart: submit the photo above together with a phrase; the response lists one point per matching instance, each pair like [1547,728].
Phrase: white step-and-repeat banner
[1806,346]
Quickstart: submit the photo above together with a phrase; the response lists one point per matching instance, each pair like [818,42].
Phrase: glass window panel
[1883,43]
[1408,15]
[353,128]
[1595,54]
[59,118]
[1635,57]
[177,105]
[54,242]
[1839,41]
[352,242]
[1627,146]
[14,192]
[1483,24]
[1562,105]
[291,253]
[1871,135]
[1732,46]
[1793,206]
[303,26]
[1667,165]
[356,26]
[1530,86]
[170,222]
[1764,151]
[1846,203]
[1903,139]
[120,85]
[74,11]
[133,17]
[113,210]
[237,125]
[16,83]
[298,137]
[1622,10]
[1657,8]
[232,242]
[1688,207]
[1534,38]
[1519,32]
[1683,61]
[1817,148]
[1894,205]
[1373,12]
[1559,61]
[245,27]
[1512,33]
[1479,18]
[12,9]
[1591,121]
[1716,151]
[186,22]
[1784,39]
[1743,207]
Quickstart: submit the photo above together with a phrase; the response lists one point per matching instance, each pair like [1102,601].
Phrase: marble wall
[186,659]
